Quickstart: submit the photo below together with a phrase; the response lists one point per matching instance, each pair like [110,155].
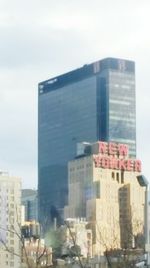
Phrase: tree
[130,254]
[40,256]
[62,247]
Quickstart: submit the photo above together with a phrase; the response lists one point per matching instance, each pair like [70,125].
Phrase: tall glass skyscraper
[94,102]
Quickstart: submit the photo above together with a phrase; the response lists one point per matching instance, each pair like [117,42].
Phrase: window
[97,189]
[117,177]
[11,234]
[113,175]
[122,177]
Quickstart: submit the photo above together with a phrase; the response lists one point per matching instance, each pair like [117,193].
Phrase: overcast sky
[43,38]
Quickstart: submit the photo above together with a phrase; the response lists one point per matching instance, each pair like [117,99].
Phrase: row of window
[119,177]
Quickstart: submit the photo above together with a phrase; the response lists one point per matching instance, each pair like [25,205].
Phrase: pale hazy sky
[43,38]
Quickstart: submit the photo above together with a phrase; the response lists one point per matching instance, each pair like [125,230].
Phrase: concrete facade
[76,233]
[10,219]
[111,200]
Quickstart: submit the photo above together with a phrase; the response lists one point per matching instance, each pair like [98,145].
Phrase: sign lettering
[114,156]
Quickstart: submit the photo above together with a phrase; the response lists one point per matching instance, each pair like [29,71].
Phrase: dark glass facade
[95,102]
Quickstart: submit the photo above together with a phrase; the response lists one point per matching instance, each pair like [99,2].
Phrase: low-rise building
[31,229]
[36,254]
[76,237]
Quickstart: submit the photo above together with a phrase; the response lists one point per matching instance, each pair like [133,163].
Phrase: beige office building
[10,219]
[104,189]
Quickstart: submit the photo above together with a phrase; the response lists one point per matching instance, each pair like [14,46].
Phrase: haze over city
[42,39]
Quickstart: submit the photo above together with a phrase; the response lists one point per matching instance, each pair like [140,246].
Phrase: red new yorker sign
[115,156]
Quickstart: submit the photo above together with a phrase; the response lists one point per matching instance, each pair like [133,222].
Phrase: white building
[36,251]
[10,218]
[76,233]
